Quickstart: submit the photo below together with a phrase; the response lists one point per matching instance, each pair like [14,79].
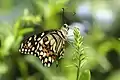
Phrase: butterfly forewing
[31,45]
[48,46]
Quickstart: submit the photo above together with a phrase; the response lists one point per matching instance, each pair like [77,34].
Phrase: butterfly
[48,46]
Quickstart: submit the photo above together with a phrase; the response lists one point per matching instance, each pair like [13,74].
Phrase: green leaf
[115,75]
[3,68]
[17,43]
[7,45]
[16,28]
[25,30]
[85,75]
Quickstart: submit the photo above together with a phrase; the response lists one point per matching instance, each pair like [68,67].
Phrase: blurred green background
[97,20]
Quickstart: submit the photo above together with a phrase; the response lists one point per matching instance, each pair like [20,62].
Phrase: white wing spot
[30,38]
[31,52]
[42,34]
[25,49]
[44,54]
[40,48]
[42,60]
[45,60]
[33,48]
[41,53]
[41,42]
[45,64]
[51,48]
[47,42]
[40,57]
[37,46]
[21,45]
[19,50]
[29,44]
[35,37]
[22,49]
[48,64]
[28,50]
[50,59]
[35,43]
[38,39]
[34,54]
[37,52]
[25,52]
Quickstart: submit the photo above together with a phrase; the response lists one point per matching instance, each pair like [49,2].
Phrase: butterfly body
[48,46]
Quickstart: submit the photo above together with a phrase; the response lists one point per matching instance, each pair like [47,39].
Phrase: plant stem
[78,69]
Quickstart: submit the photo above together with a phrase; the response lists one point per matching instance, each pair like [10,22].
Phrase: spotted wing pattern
[48,45]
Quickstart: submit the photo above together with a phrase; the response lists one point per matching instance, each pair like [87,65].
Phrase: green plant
[79,57]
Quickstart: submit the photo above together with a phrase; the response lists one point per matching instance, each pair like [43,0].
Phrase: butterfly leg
[57,63]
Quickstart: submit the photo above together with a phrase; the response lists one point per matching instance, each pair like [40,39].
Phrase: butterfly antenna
[63,16]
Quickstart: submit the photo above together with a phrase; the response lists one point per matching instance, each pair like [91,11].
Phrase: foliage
[99,61]
[79,57]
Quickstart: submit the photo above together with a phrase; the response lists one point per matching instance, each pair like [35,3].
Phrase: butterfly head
[65,28]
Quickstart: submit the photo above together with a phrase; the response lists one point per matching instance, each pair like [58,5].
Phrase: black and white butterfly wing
[48,46]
